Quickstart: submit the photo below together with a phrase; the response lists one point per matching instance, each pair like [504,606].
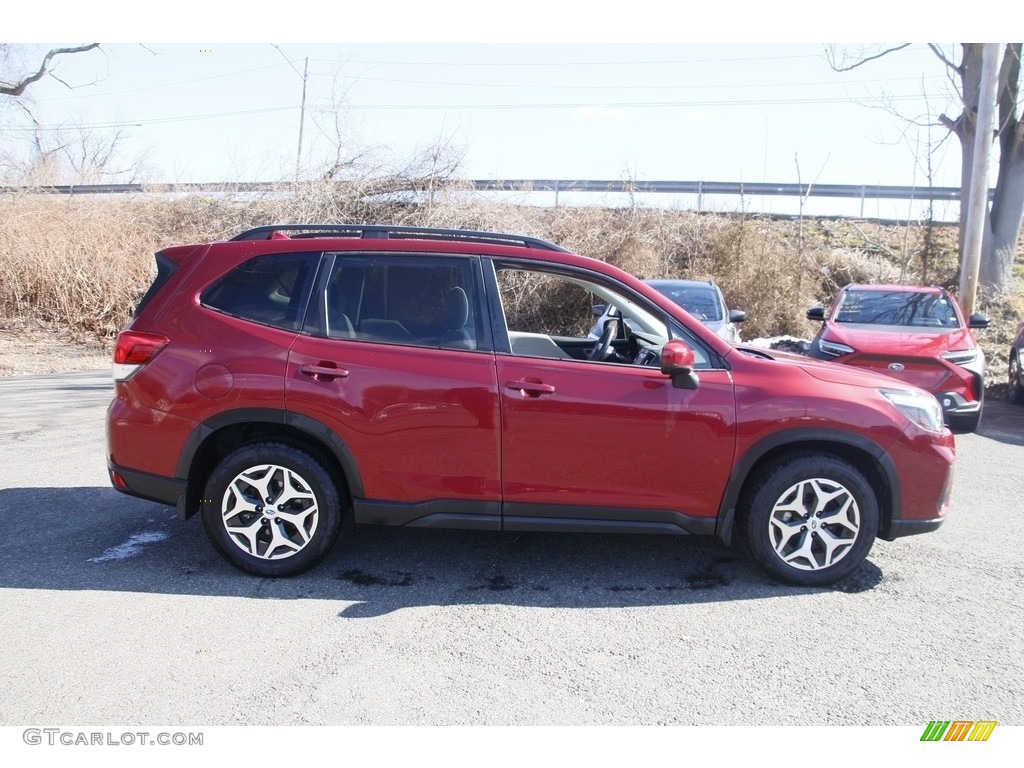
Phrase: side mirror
[978,321]
[737,315]
[598,309]
[677,361]
[816,313]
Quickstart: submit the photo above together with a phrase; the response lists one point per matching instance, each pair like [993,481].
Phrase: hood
[890,340]
[833,373]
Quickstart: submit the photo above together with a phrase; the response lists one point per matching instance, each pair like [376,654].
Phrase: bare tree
[17,86]
[73,153]
[1006,209]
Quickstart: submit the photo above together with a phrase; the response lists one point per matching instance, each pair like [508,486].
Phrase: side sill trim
[583,525]
[547,517]
[436,513]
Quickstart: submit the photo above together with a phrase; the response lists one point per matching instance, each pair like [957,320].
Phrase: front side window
[551,315]
[272,290]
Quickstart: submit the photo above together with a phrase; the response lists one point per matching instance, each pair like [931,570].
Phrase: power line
[550,63]
[487,106]
[634,87]
[161,85]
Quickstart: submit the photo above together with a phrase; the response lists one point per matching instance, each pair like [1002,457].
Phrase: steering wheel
[603,346]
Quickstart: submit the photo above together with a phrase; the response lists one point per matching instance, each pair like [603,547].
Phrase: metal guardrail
[699,188]
[853,191]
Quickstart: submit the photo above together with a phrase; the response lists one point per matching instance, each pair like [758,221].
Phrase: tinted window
[423,301]
[267,289]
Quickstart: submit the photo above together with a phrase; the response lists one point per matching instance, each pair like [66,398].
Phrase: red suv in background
[916,335]
[301,377]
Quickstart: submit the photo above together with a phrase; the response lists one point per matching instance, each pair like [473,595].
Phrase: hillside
[74,267]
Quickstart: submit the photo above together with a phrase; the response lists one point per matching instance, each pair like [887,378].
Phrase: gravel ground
[28,347]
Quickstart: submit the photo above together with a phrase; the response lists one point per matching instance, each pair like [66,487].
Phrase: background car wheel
[271,509]
[810,519]
[1016,386]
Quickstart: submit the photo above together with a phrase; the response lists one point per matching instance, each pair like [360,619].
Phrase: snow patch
[132,547]
[782,343]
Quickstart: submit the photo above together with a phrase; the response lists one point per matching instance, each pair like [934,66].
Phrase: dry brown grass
[81,263]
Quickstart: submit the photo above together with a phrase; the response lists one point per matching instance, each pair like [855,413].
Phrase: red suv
[298,379]
[915,334]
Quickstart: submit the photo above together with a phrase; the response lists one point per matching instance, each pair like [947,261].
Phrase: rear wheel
[810,519]
[1016,387]
[271,509]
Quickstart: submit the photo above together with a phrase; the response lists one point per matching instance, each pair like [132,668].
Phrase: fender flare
[808,437]
[316,430]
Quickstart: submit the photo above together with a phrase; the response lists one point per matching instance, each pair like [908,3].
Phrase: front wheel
[810,519]
[271,509]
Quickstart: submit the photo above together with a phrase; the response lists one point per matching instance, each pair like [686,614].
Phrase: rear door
[396,364]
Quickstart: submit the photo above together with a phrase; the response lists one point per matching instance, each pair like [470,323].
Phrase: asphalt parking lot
[114,611]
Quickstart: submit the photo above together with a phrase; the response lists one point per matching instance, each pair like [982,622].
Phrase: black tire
[807,546]
[1015,391]
[251,530]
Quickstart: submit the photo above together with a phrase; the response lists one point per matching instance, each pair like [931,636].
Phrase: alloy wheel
[270,511]
[814,524]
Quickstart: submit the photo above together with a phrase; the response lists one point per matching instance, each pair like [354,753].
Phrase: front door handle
[530,388]
[323,371]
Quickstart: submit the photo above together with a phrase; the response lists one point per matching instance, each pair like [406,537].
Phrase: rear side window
[272,290]
[424,301]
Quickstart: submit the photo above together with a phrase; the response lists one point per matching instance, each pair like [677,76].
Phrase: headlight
[834,349]
[961,356]
[920,407]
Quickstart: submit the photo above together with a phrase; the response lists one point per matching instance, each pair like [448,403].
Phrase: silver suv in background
[701,298]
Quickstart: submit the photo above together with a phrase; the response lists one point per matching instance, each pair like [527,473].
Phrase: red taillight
[137,348]
[133,350]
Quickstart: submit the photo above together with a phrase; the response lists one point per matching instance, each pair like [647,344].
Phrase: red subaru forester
[300,377]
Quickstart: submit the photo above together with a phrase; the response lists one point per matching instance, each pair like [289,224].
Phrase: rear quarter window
[271,290]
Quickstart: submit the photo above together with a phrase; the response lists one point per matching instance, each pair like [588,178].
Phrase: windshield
[911,308]
[701,301]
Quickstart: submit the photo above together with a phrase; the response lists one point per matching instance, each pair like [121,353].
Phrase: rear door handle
[530,388]
[323,371]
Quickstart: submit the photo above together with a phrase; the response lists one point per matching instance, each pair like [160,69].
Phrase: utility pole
[302,112]
[302,121]
[977,201]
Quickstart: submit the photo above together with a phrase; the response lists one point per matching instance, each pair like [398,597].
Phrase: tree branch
[18,88]
[942,57]
[861,62]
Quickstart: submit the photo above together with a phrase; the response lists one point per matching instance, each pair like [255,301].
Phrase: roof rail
[389,232]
